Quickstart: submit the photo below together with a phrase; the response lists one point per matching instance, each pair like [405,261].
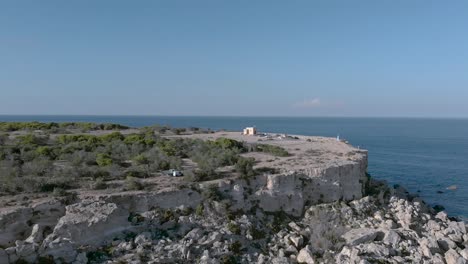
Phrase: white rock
[429,246]
[464,253]
[195,234]
[291,249]
[375,250]
[296,240]
[36,234]
[89,223]
[213,237]
[295,227]
[391,238]
[458,227]
[261,259]
[143,238]
[442,216]
[305,256]
[361,235]
[452,257]
[280,260]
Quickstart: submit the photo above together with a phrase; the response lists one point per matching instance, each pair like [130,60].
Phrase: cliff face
[58,230]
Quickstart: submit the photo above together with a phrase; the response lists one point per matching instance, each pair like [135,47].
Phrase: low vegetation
[40,157]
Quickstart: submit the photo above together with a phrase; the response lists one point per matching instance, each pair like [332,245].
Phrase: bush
[45,152]
[235,247]
[256,233]
[244,167]
[99,184]
[167,216]
[132,184]
[30,140]
[227,143]
[212,193]
[59,192]
[103,160]
[234,228]
[200,210]
[228,259]
[273,150]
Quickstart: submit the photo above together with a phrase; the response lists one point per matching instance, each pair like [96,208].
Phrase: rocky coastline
[333,212]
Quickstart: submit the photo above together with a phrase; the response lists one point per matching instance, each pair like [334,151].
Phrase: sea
[429,157]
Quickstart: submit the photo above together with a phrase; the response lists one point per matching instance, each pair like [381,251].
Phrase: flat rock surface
[307,152]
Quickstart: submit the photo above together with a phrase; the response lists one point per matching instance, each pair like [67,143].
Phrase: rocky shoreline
[387,226]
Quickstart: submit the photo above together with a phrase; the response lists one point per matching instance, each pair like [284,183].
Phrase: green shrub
[30,140]
[212,193]
[228,259]
[167,216]
[244,167]
[200,210]
[99,184]
[256,233]
[132,184]
[112,136]
[234,228]
[235,247]
[45,152]
[227,143]
[103,160]
[273,150]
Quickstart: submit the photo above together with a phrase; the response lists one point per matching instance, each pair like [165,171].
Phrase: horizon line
[228,116]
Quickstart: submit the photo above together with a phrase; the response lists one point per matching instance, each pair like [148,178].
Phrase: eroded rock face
[84,222]
[291,191]
[17,223]
[14,225]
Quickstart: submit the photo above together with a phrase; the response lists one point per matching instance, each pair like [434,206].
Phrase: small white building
[250,131]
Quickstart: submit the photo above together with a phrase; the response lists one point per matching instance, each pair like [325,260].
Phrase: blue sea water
[423,155]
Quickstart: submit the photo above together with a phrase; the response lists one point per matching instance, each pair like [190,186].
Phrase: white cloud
[308,103]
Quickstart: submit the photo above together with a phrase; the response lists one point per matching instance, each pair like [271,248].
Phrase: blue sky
[273,58]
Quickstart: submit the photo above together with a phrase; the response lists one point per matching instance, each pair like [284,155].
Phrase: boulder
[213,237]
[280,260]
[361,235]
[391,238]
[446,243]
[143,238]
[452,257]
[375,250]
[429,246]
[464,253]
[194,234]
[296,240]
[26,251]
[305,256]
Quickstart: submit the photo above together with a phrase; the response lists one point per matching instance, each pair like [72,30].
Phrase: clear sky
[247,57]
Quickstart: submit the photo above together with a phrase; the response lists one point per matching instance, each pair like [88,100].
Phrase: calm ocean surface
[424,155]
